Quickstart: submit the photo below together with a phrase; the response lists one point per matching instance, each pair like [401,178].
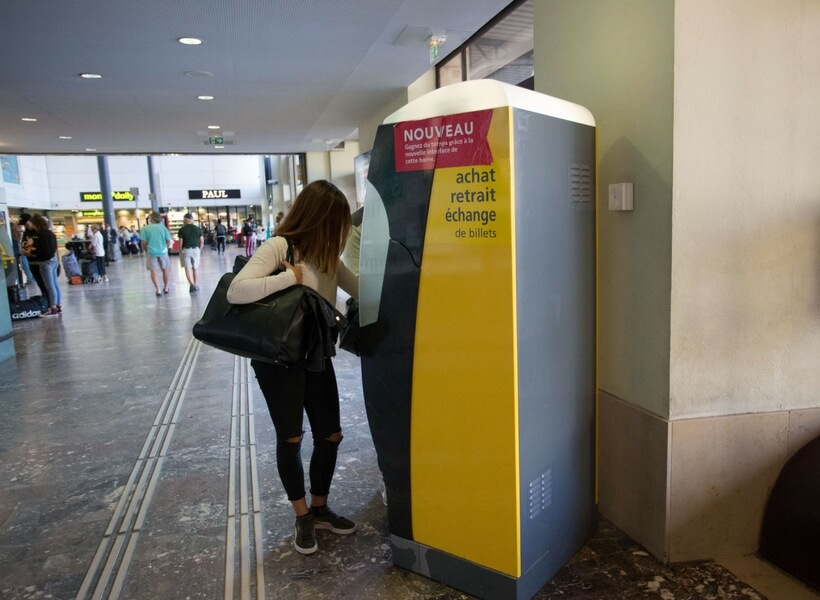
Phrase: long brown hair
[318,225]
[39,222]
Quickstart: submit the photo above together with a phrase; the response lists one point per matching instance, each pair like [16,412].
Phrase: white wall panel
[32,191]
[745,319]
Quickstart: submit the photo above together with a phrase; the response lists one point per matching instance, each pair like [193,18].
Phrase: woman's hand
[297,270]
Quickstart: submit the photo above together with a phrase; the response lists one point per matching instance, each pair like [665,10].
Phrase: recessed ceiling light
[219,147]
[65,137]
[90,149]
[213,126]
[198,74]
[90,75]
[189,41]
[205,97]
[29,119]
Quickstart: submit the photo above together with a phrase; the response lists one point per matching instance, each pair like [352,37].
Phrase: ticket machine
[477,305]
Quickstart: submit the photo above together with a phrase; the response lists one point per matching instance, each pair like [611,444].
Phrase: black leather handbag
[295,327]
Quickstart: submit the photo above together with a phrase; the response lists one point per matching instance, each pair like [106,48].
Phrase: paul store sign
[217,194]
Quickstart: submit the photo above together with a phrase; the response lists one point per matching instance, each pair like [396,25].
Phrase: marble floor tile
[94,463]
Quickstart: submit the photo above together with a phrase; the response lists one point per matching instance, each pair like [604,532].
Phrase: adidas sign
[26,314]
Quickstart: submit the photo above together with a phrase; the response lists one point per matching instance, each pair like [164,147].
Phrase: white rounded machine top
[481,94]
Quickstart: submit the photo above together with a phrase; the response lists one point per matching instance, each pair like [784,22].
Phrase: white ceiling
[285,72]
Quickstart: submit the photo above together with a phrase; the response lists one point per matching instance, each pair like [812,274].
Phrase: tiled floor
[138,463]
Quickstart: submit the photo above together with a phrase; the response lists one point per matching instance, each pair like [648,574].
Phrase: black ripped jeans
[289,394]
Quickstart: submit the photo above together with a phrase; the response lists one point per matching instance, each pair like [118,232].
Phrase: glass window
[503,50]
[450,72]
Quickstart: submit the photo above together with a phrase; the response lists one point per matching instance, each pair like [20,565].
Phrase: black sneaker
[324,518]
[304,542]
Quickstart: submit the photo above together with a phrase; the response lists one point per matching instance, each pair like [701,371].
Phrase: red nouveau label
[448,141]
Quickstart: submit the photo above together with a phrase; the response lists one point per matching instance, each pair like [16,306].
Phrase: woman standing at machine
[316,229]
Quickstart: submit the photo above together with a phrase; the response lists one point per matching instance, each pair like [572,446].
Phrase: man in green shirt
[156,239]
[190,245]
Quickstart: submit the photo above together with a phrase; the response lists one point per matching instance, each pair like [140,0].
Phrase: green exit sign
[216,140]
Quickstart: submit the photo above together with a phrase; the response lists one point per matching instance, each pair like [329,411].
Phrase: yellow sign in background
[464,431]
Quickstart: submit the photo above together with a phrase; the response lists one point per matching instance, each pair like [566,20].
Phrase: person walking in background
[316,228]
[22,261]
[44,248]
[221,231]
[111,241]
[135,244]
[27,241]
[249,231]
[260,236]
[105,236]
[156,240]
[190,248]
[98,251]
[124,240]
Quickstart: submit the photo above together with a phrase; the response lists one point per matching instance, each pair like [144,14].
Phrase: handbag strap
[288,255]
